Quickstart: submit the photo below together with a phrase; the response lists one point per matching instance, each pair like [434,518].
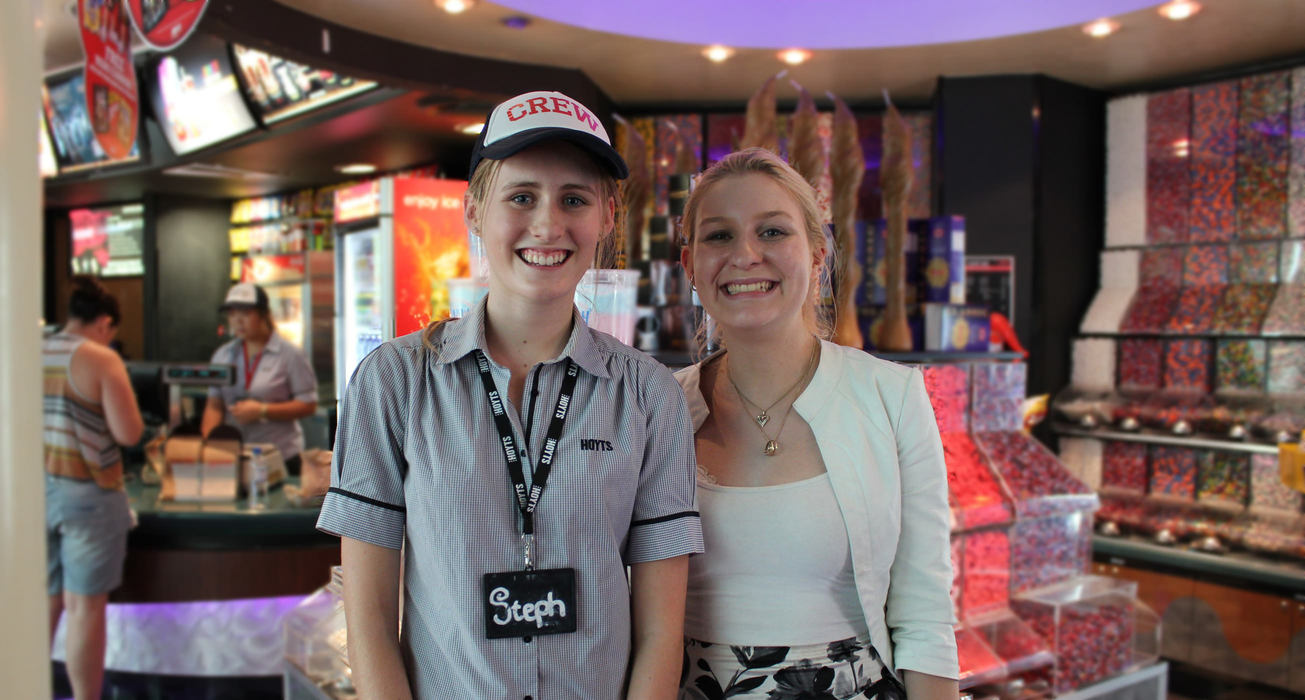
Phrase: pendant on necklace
[771,448]
[762,419]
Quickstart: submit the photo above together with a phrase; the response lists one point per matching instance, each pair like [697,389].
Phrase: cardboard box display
[956,328]
[941,242]
[872,252]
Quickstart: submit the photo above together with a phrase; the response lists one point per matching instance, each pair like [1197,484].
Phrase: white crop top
[777,570]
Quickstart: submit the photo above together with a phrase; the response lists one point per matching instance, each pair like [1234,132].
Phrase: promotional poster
[109,77]
[164,24]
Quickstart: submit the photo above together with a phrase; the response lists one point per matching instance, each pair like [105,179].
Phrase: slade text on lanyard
[528,501]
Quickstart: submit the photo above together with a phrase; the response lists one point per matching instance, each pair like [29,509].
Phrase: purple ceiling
[823,24]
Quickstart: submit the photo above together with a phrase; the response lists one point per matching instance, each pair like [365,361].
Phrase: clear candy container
[315,638]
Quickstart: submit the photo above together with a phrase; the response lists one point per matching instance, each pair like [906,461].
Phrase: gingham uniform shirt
[417,458]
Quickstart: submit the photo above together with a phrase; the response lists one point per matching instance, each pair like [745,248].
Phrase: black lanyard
[528,502]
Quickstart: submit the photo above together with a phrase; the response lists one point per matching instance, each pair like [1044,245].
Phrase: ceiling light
[473,129]
[717,53]
[1101,28]
[455,7]
[355,169]
[1180,9]
[794,57]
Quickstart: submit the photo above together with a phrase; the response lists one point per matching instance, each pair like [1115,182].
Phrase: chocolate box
[941,245]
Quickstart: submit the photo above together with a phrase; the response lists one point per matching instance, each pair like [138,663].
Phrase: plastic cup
[606,301]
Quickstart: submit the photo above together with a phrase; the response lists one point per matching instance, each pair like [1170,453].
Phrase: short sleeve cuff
[662,538]
[309,396]
[937,658]
[349,515]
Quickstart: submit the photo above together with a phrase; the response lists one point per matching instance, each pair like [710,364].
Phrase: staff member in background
[275,385]
[89,410]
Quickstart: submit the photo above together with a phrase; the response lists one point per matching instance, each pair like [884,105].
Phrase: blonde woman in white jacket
[821,481]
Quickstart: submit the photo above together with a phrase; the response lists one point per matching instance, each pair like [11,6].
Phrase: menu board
[280,88]
[75,145]
[108,241]
[164,24]
[197,98]
[45,151]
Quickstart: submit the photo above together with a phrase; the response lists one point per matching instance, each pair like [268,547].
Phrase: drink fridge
[397,242]
[301,291]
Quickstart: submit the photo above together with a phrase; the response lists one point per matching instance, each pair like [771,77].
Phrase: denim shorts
[85,536]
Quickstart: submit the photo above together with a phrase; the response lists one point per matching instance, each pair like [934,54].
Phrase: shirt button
[529,697]
[527,641]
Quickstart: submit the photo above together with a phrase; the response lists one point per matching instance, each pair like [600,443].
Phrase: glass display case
[316,655]
[1095,626]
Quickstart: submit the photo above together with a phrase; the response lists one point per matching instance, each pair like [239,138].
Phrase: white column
[24,654]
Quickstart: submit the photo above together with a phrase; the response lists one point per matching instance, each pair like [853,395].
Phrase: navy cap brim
[504,148]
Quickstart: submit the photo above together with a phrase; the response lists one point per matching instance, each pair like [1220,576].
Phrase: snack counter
[206,586]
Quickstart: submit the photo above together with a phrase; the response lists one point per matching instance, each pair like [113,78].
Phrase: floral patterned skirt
[849,668]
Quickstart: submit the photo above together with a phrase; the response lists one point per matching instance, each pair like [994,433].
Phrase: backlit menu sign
[280,88]
[197,97]
[75,145]
[108,241]
[355,202]
[45,151]
[164,24]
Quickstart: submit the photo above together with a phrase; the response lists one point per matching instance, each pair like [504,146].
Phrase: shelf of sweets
[1151,437]
[978,663]
[1095,627]
[1271,569]
[976,497]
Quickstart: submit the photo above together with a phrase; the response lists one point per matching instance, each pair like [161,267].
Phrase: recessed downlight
[717,53]
[355,169]
[455,7]
[1178,10]
[473,129]
[794,57]
[1101,28]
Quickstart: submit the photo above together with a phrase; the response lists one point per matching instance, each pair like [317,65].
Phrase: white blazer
[875,429]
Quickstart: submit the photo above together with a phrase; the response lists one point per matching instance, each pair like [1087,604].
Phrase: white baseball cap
[245,295]
[544,115]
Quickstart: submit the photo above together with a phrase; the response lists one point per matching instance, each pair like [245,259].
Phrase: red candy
[1123,467]
[987,572]
[977,498]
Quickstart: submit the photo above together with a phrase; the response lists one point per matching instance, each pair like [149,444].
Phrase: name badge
[530,603]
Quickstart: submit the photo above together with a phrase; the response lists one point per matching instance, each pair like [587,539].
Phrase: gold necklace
[772,444]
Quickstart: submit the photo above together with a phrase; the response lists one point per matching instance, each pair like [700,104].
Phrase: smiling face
[750,257]
[540,218]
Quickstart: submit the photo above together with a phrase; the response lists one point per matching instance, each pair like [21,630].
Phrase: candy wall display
[978,663]
[1168,121]
[1268,494]
[1088,623]
[1241,366]
[1015,643]
[1161,273]
[958,569]
[1276,535]
[1205,277]
[1286,315]
[948,387]
[1287,367]
[1173,473]
[1187,366]
[1038,482]
[1213,162]
[1125,510]
[1049,550]
[997,399]
[1141,363]
[1296,174]
[1123,468]
[977,498]
[1263,153]
[1253,271]
[1224,480]
[987,572]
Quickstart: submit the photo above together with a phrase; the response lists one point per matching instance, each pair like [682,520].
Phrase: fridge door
[365,306]
[287,302]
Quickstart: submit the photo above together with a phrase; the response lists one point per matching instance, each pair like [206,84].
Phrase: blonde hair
[760,161]
[481,186]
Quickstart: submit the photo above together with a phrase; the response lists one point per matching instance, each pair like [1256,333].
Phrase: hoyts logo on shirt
[595,445]
[556,105]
